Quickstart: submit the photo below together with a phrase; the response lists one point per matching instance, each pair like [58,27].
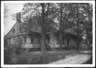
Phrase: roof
[17,26]
[10,30]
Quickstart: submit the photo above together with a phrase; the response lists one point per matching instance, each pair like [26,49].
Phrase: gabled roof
[17,26]
[10,33]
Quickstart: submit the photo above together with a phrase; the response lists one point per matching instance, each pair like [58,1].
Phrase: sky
[13,8]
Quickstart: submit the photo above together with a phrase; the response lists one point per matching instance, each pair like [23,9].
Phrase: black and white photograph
[48,33]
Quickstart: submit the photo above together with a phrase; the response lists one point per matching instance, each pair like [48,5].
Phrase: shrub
[9,51]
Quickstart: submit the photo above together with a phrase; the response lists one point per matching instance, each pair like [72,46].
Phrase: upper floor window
[13,30]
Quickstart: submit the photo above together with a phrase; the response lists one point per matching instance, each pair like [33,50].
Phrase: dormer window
[13,30]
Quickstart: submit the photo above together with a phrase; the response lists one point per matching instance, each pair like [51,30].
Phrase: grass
[39,57]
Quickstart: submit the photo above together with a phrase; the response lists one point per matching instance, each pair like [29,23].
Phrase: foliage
[76,18]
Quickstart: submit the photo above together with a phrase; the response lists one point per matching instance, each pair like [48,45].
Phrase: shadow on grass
[89,61]
[43,58]
[37,58]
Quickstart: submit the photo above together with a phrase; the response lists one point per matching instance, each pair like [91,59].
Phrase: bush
[9,51]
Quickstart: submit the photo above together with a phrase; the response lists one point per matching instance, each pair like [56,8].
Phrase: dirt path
[73,59]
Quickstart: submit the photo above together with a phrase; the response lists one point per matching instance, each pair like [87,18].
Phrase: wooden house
[21,37]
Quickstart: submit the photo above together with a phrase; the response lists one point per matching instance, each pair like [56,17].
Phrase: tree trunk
[60,41]
[86,44]
[77,28]
[43,43]
[77,39]
[68,43]
[43,28]
[60,35]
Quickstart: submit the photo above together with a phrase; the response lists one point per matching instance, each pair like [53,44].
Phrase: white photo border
[45,65]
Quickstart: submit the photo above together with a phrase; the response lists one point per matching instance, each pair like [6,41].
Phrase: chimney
[18,17]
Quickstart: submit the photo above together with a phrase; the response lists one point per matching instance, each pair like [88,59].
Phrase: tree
[83,13]
[5,13]
[71,17]
[42,15]
[86,21]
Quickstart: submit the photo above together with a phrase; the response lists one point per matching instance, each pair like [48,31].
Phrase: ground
[73,59]
[53,57]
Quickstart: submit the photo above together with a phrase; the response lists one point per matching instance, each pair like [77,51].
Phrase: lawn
[40,58]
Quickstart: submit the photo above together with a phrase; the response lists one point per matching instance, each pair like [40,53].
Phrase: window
[31,40]
[20,28]
[13,30]
[47,37]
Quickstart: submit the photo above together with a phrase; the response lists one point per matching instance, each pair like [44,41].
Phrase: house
[19,36]
[25,39]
